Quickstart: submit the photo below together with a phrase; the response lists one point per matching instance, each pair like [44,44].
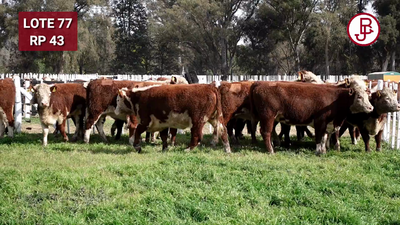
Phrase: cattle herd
[169,104]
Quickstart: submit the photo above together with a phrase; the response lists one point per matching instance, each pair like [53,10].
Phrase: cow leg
[152,136]
[224,137]
[173,132]
[113,128]
[119,126]
[77,128]
[230,126]
[197,135]
[147,137]
[61,128]
[285,129]
[378,140]
[365,136]
[335,136]
[100,129]
[239,126]
[320,138]
[253,131]
[45,129]
[136,143]
[10,123]
[357,133]
[2,128]
[300,133]
[308,132]
[343,128]
[267,127]
[164,139]
[90,121]
[351,132]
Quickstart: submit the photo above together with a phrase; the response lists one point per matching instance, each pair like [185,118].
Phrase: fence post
[27,105]
[18,105]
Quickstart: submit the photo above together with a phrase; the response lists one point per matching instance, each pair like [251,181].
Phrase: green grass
[75,183]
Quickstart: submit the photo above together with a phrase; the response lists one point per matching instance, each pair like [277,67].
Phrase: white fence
[391,133]
[203,79]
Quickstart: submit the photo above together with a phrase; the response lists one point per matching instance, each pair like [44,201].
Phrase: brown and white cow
[324,107]
[101,102]
[174,106]
[7,102]
[58,102]
[371,124]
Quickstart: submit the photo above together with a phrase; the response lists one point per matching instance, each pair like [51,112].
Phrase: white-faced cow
[371,124]
[101,102]
[174,106]
[325,107]
[58,102]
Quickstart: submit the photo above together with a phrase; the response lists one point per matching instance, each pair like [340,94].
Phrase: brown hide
[234,99]
[7,99]
[69,96]
[200,102]
[299,104]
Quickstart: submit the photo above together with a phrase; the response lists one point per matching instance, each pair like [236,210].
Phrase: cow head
[42,94]
[178,80]
[385,101]
[361,101]
[309,77]
[124,104]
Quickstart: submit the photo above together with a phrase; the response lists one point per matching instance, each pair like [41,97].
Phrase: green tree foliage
[131,37]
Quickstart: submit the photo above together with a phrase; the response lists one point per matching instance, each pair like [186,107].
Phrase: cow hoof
[378,149]
[138,149]
[188,150]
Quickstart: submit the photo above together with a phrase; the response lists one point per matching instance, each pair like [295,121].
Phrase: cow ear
[351,91]
[53,88]
[174,80]
[347,81]
[378,93]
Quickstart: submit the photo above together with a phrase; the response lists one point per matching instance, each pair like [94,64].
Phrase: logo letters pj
[363,28]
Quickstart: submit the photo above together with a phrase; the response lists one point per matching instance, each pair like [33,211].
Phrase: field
[75,183]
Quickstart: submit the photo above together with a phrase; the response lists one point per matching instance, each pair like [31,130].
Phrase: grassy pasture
[75,183]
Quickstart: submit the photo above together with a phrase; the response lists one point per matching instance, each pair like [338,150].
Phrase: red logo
[363,29]
[48,31]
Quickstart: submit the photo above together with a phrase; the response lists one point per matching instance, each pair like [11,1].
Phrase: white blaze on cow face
[361,101]
[121,106]
[42,95]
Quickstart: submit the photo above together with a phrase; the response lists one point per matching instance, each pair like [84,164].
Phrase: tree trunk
[224,64]
[393,66]
[327,56]
[385,62]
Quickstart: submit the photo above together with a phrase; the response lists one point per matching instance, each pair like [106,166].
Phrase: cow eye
[359,97]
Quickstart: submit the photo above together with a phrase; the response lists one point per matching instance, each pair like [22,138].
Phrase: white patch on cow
[45,133]
[164,112]
[174,120]
[86,137]
[145,88]
[374,126]
[85,84]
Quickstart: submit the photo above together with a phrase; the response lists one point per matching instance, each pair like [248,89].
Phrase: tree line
[221,37]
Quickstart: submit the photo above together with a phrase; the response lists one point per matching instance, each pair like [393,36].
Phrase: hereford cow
[58,102]
[101,101]
[176,106]
[235,103]
[371,124]
[7,102]
[324,107]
